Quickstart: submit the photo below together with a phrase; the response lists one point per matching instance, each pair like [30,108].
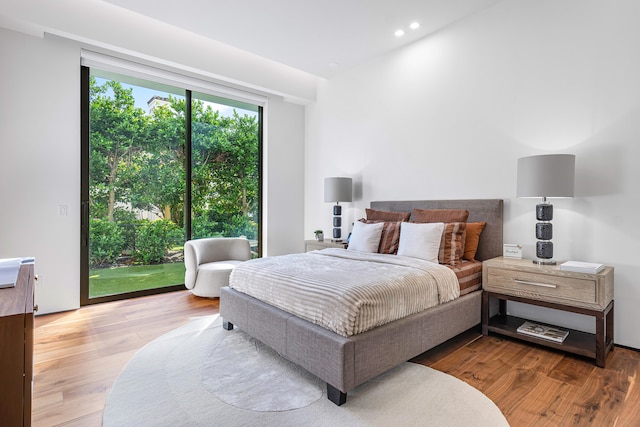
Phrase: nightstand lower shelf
[577,342]
[595,346]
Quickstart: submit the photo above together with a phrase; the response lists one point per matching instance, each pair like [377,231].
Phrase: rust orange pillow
[474,229]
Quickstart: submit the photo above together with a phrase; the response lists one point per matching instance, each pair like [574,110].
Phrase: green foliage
[201,227]
[138,163]
[128,223]
[240,225]
[106,242]
[154,238]
[118,131]
[229,226]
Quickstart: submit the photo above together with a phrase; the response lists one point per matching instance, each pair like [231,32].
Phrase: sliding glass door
[225,169]
[160,165]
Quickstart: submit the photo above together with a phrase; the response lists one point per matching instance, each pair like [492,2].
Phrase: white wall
[448,117]
[283,195]
[40,163]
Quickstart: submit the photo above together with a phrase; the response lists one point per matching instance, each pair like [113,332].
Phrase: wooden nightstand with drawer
[547,286]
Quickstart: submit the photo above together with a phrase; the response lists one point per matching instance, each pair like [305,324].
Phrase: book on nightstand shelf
[582,267]
[542,331]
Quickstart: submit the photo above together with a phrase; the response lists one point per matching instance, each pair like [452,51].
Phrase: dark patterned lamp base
[337,221]
[544,233]
[544,252]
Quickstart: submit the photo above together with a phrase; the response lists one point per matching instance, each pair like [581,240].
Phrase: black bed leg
[227,325]
[335,395]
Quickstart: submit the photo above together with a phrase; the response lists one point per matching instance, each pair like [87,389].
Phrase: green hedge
[106,242]
[147,241]
[154,238]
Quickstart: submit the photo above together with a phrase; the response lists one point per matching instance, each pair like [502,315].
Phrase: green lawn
[117,280]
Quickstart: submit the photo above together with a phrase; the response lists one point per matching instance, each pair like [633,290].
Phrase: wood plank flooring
[79,354]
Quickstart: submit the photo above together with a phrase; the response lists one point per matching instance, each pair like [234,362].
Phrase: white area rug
[202,375]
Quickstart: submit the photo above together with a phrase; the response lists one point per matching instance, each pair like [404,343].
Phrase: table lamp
[338,189]
[545,176]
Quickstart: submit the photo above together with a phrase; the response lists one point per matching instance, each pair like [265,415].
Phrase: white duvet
[347,292]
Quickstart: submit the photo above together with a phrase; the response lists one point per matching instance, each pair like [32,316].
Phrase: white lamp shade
[338,189]
[549,175]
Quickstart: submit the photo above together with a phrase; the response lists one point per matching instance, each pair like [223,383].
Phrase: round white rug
[202,375]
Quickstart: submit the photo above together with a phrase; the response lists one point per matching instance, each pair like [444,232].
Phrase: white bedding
[347,292]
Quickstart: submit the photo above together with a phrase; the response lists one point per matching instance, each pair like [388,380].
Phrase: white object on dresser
[9,268]
[582,267]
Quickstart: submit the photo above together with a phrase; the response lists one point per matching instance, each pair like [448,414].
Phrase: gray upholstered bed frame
[345,363]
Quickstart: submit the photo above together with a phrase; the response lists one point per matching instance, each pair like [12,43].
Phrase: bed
[344,362]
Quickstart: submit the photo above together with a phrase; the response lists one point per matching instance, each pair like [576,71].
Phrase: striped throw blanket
[347,292]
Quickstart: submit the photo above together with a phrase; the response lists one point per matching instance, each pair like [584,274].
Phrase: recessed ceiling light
[399,33]
[414,26]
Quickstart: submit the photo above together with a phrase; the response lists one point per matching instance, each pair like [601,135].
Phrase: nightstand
[547,286]
[312,245]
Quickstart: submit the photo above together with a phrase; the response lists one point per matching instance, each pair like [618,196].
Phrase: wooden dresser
[16,350]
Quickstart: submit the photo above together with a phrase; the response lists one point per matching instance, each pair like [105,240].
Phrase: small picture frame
[510,250]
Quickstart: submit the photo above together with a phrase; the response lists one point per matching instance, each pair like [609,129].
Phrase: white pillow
[420,240]
[365,237]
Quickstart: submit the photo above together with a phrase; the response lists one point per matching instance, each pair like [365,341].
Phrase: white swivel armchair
[209,262]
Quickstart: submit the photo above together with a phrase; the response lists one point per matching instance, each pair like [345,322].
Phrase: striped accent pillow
[390,238]
[452,243]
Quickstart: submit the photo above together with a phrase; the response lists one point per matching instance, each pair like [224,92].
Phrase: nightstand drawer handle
[544,285]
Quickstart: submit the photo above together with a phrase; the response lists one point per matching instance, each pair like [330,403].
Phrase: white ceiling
[321,37]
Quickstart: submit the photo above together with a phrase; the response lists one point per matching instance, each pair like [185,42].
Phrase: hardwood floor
[79,354]
[536,386]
